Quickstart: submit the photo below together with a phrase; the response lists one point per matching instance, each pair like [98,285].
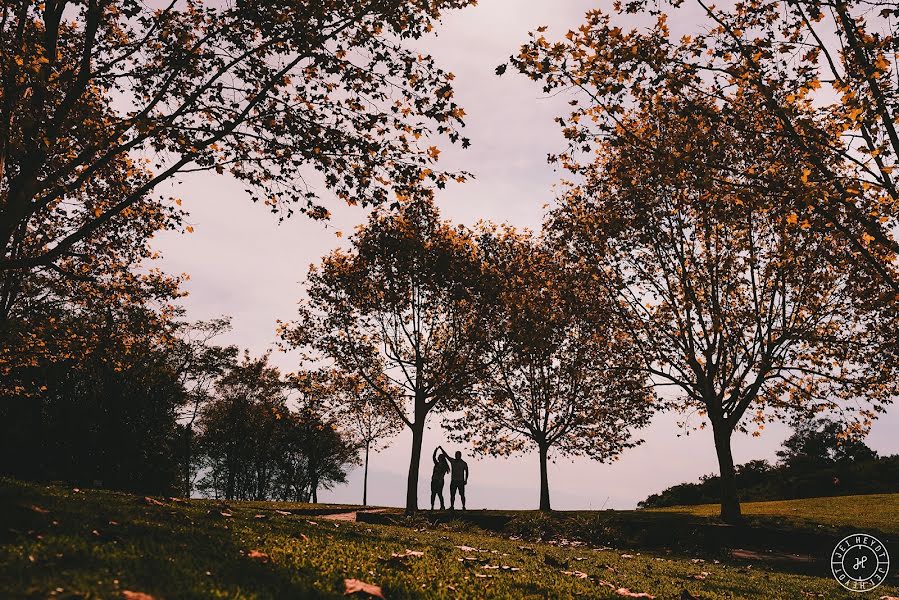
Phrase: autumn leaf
[355,586]
[629,594]
[153,501]
[129,595]
[38,509]
[258,555]
[434,152]
[578,574]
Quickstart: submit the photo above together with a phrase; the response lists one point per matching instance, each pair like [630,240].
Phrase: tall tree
[366,415]
[552,383]
[101,101]
[199,363]
[399,307]
[731,295]
[239,429]
[821,71]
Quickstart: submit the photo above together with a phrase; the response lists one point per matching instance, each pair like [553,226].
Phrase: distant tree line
[817,460]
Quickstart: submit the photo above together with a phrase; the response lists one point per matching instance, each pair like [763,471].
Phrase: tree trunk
[230,484]
[544,479]
[730,502]
[188,446]
[412,482]
[365,478]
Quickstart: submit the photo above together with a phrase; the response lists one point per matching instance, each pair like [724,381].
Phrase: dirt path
[349,516]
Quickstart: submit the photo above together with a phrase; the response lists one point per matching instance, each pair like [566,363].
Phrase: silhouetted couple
[458,469]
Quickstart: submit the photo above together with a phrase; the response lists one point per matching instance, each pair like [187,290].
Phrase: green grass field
[878,512]
[60,543]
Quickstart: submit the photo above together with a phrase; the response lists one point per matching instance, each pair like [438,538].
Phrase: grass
[56,542]
[875,512]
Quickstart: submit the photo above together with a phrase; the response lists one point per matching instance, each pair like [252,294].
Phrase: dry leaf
[888,598]
[260,516]
[226,513]
[153,501]
[129,595]
[578,574]
[407,553]
[283,512]
[354,586]
[258,555]
[38,509]
[629,594]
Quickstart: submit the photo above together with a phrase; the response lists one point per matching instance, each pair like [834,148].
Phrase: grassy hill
[874,512]
[61,543]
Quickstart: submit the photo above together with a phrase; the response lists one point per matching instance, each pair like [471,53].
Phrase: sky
[243,263]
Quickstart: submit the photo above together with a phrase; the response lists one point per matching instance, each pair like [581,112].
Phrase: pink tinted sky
[244,264]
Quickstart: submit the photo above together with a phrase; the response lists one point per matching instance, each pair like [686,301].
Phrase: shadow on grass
[104,542]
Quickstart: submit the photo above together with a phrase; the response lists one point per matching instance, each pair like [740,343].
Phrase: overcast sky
[244,264]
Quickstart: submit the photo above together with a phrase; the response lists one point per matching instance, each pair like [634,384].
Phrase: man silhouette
[458,478]
[441,468]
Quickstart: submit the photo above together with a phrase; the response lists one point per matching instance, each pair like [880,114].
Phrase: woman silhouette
[441,468]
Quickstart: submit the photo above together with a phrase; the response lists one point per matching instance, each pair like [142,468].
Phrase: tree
[399,307]
[91,388]
[732,297]
[370,419]
[817,442]
[239,430]
[255,447]
[199,363]
[102,101]
[552,382]
[821,73]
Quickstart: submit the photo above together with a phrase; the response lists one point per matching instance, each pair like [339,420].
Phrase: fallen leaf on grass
[260,516]
[578,574]
[283,513]
[37,509]
[399,558]
[354,586]
[153,501]
[629,594]
[226,513]
[627,556]
[889,598]
[467,549]
[129,595]
[258,555]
